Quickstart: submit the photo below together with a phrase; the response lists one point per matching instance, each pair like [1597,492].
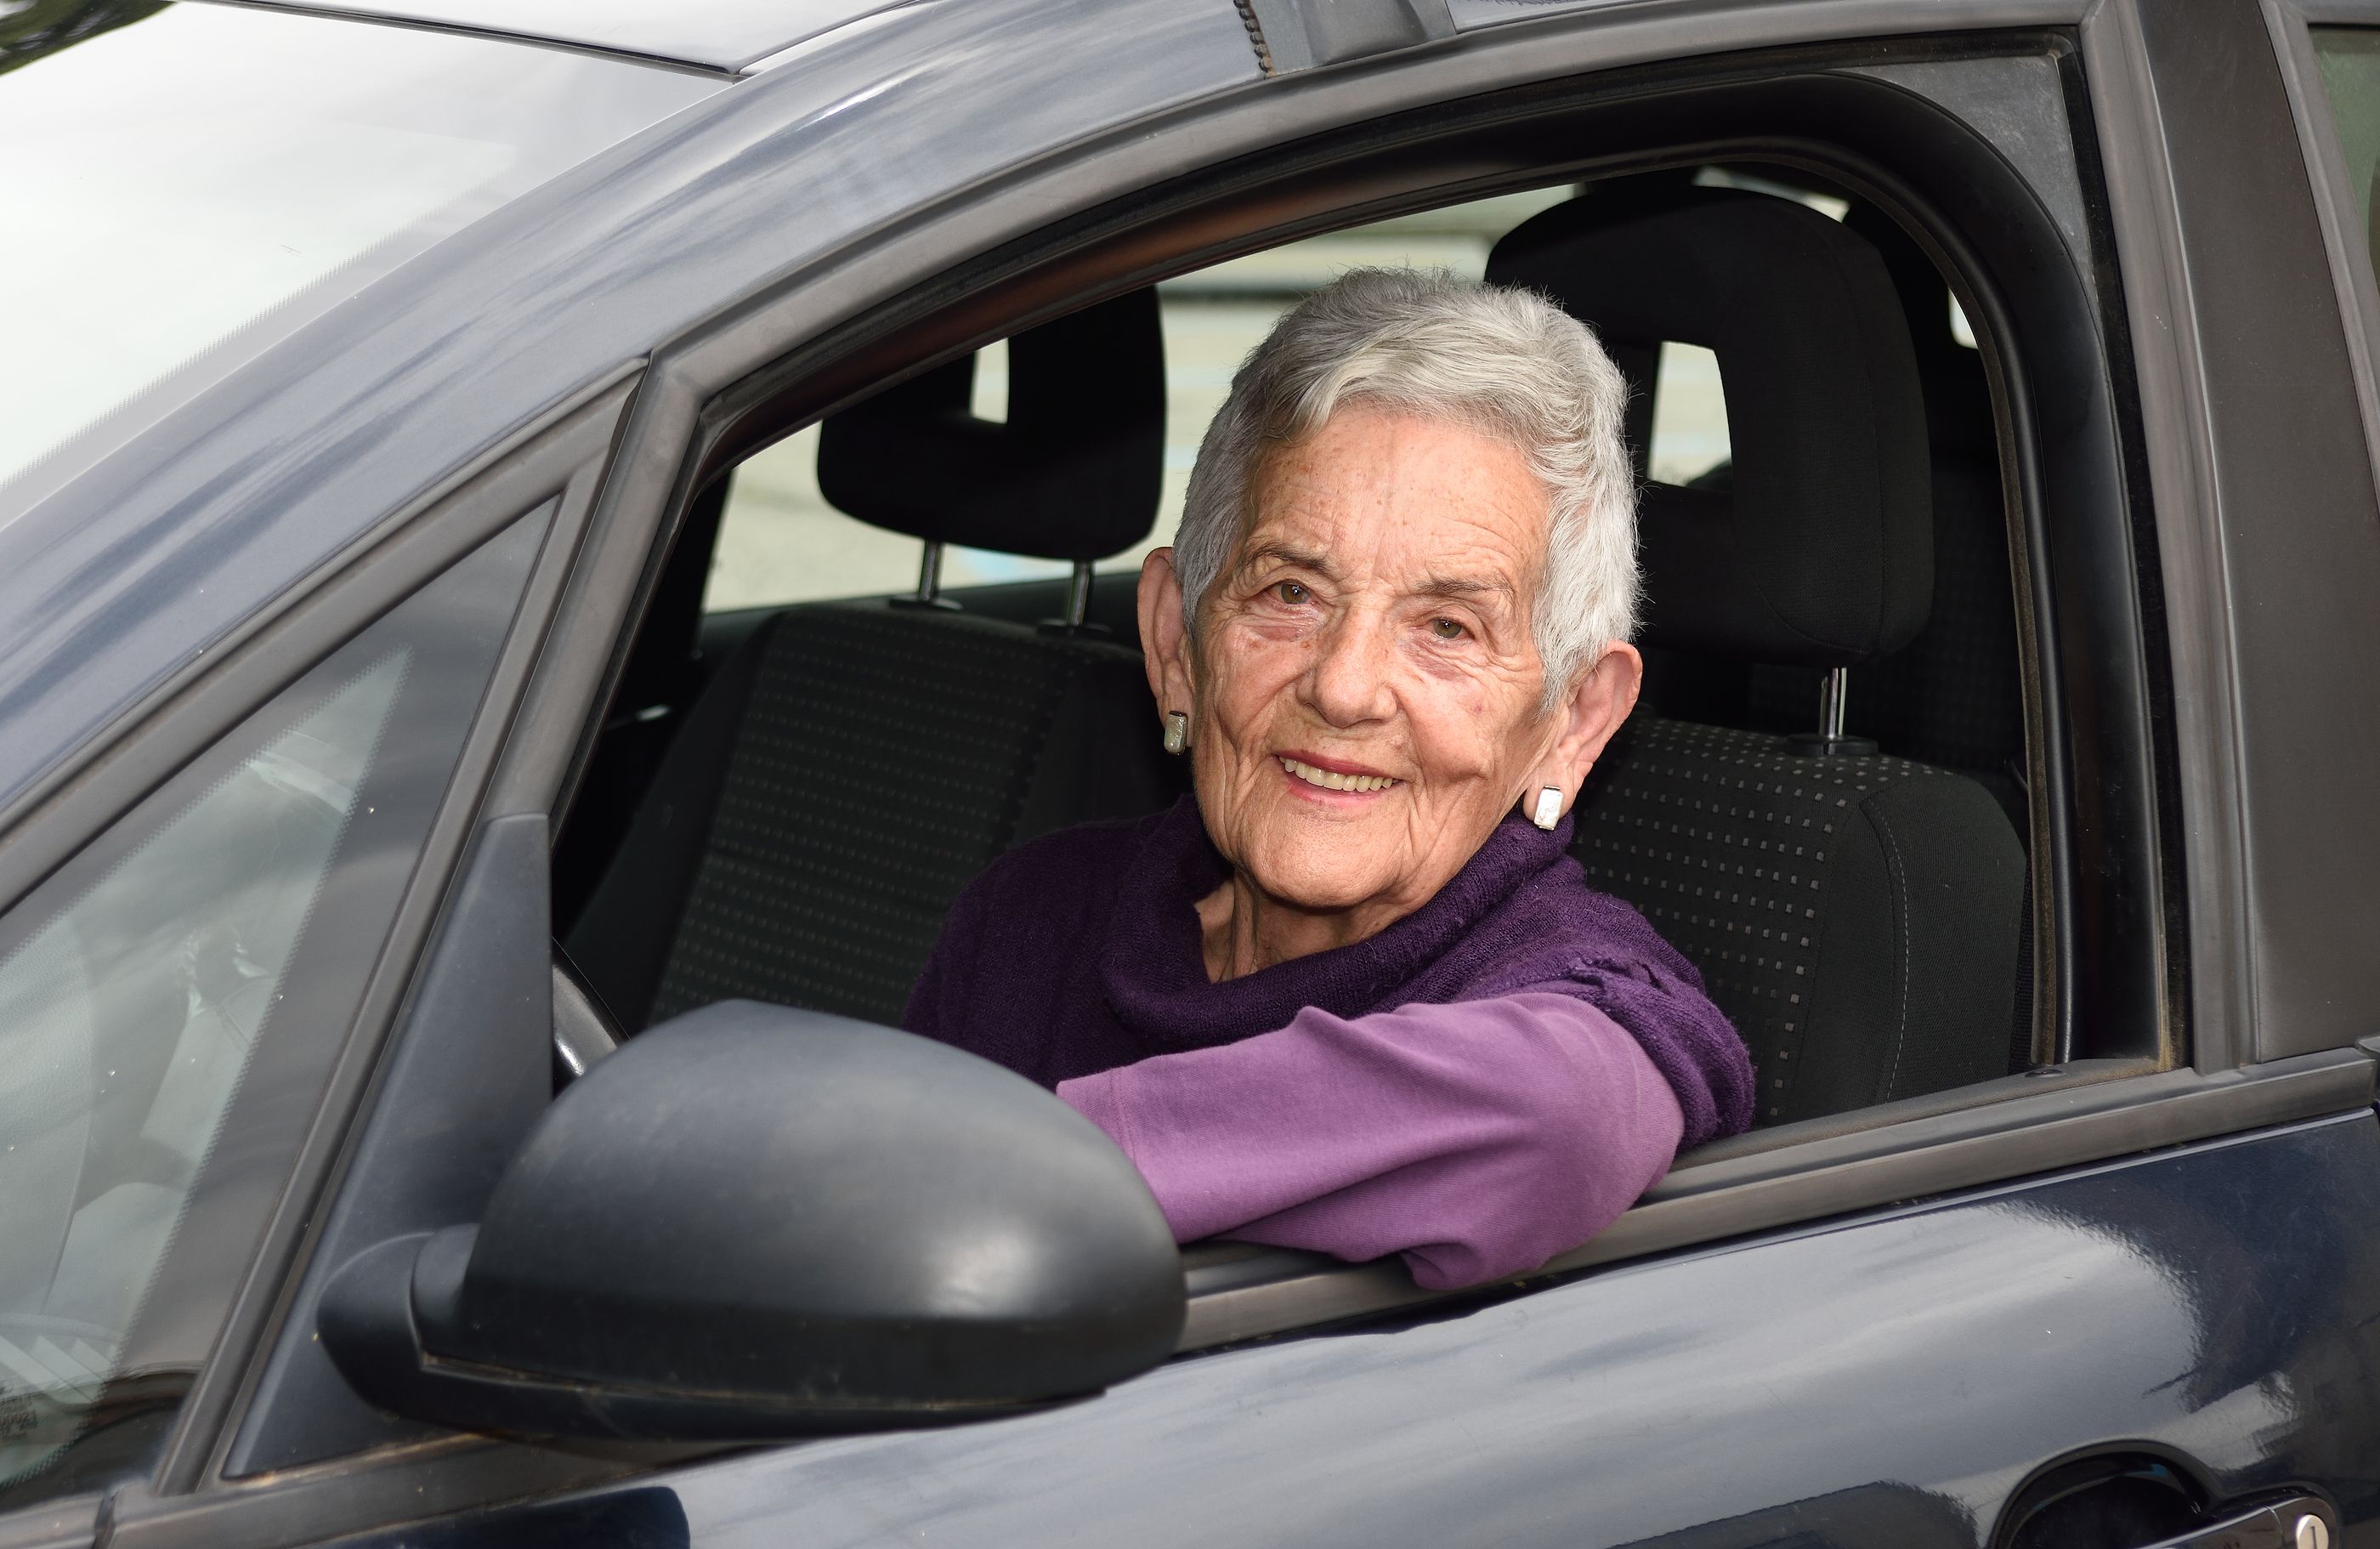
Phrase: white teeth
[1333,780]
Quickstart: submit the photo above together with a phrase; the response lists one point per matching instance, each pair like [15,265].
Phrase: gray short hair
[1505,362]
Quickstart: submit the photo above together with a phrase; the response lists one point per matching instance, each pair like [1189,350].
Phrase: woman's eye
[1447,629]
[1291,592]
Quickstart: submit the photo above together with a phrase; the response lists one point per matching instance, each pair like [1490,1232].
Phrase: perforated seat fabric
[1857,918]
[872,760]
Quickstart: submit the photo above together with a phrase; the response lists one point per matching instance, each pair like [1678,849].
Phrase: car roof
[729,35]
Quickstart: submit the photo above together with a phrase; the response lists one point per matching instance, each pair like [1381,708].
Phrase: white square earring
[1548,809]
[1177,731]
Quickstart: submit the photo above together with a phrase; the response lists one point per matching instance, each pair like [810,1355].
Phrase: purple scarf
[1081,952]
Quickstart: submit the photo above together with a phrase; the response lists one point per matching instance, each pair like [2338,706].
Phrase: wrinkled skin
[1374,623]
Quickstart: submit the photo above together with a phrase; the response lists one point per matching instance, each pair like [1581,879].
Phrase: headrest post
[1834,697]
[929,581]
[1834,705]
[930,574]
[1076,619]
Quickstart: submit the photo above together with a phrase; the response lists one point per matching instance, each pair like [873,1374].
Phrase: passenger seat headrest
[1818,550]
[1073,473]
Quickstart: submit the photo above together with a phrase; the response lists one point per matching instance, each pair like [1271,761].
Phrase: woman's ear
[1584,721]
[1165,637]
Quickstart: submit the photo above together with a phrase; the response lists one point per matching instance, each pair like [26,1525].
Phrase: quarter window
[170,1003]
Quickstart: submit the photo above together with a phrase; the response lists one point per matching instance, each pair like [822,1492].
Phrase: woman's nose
[1348,682]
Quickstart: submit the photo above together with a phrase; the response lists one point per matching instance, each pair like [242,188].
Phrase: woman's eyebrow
[1282,553]
[1464,586]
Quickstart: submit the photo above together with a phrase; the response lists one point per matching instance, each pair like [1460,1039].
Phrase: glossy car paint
[1891,1380]
[1873,1381]
[352,150]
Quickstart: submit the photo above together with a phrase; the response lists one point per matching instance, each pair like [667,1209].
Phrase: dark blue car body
[2151,1270]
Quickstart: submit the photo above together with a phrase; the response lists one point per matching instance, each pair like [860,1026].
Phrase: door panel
[1888,1381]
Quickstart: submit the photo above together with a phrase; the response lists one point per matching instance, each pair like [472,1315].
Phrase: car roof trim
[492,34]
[721,37]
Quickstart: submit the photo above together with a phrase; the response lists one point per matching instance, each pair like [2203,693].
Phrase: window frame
[781,364]
[2262,495]
[1005,292]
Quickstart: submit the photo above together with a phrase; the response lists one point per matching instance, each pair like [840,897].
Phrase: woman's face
[1364,695]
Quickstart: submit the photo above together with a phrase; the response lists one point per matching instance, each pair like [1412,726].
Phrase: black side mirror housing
[753,1222]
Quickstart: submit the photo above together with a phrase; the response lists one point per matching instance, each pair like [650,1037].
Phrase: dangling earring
[1548,809]
[1177,731]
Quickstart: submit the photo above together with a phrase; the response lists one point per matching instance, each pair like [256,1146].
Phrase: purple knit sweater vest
[1080,952]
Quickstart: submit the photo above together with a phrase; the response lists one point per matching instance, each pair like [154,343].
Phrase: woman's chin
[1317,872]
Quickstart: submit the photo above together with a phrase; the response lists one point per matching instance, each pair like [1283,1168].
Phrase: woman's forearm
[1477,1139]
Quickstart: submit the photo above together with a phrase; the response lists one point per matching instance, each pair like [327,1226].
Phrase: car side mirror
[752,1223]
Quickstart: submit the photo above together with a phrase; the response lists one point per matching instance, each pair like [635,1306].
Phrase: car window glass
[2350,77]
[169,1003]
[184,190]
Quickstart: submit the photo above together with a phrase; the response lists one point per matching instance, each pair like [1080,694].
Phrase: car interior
[1822,800]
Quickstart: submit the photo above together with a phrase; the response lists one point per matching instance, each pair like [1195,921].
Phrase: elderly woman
[1353,994]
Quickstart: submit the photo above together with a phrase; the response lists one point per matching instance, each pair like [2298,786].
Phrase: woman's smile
[1333,782]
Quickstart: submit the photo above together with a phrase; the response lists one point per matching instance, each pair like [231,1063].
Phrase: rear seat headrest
[1073,473]
[1819,550]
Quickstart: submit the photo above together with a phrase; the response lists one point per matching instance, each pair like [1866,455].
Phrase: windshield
[186,187]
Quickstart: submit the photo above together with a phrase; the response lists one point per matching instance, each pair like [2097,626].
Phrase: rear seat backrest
[856,763]
[1858,917]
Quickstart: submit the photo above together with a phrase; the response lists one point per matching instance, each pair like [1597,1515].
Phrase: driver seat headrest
[1073,473]
[1819,551]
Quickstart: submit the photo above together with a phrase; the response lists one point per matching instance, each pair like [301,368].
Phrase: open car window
[1938,710]
[1715,815]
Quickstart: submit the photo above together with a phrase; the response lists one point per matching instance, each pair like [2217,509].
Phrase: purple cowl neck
[1081,952]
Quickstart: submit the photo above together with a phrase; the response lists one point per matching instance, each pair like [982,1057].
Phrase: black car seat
[1857,915]
[854,764]
[1954,695]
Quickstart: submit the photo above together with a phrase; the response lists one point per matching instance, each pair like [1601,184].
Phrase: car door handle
[2292,1522]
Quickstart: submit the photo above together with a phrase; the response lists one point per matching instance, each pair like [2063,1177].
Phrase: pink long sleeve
[1479,1139]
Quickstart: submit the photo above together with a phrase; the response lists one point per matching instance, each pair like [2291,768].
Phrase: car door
[2133,1292]
[1875,1371]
